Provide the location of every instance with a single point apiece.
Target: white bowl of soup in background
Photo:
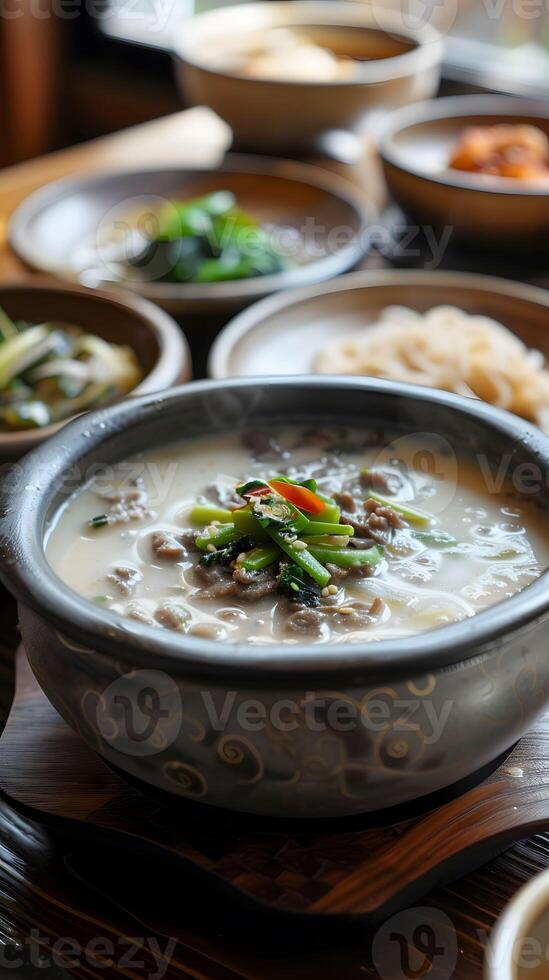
(395, 65)
(476, 684)
(519, 945)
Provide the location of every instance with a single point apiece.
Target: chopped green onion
(246, 523)
(225, 534)
(331, 513)
(321, 528)
(100, 521)
(258, 558)
(346, 557)
(332, 539)
(436, 539)
(408, 513)
(203, 514)
(302, 557)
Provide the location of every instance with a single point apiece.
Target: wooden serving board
(368, 867)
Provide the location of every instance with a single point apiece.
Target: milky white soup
(356, 540)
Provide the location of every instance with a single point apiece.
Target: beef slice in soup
(312, 536)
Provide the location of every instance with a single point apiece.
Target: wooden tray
(369, 867)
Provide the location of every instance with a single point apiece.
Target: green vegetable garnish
(246, 523)
(273, 511)
(251, 487)
(346, 557)
(203, 514)
(222, 537)
(319, 527)
(298, 585)
(408, 513)
(331, 513)
(100, 521)
(226, 555)
(436, 539)
(301, 557)
(258, 558)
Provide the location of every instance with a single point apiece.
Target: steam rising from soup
(324, 536)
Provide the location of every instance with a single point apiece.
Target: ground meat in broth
(172, 616)
(380, 481)
(137, 612)
(125, 578)
(168, 546)
(221, 582)
(346, 501)
(140, 557)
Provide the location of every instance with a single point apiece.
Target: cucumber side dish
(202, 240)
(53, 370)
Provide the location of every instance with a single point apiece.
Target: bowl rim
(172, 346)
(247, 320)
(306, 174)
(454, 107)
(24, 568)
(426, 40)
(519, 915)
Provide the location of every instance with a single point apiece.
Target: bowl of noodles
(476, 336)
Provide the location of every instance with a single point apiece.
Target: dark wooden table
(90, 914)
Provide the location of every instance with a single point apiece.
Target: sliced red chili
(299, 496)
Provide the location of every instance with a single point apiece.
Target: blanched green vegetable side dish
(207, 239)
(52, 371)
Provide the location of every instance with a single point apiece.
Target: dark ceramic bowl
(156, 339)
(174, 711)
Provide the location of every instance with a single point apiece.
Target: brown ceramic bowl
(159, 344)
(397, 66)
(64, 227)
(283, 334)
(482, 210)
